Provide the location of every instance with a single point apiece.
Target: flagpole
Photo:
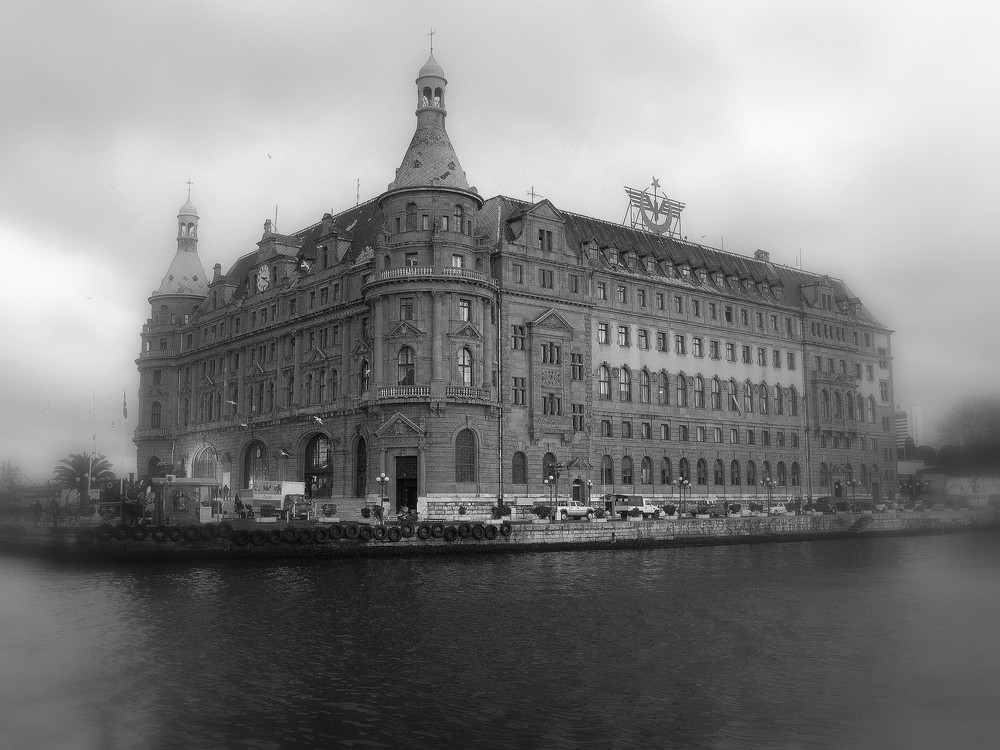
(93, 442)
(121, 477)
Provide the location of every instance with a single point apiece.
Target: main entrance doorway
(406, 482)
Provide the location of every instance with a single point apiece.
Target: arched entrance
(578, 489)
(361, 468)
(255, 464)
(319, 467)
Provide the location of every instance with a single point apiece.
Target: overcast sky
(863, 135)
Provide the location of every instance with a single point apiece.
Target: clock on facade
(263, 279)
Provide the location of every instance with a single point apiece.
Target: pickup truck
(622, 505)
(573, 509)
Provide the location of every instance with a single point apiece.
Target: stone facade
(462, 348)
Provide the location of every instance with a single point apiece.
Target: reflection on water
(851, 644)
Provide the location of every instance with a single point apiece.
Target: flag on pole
(124, 406)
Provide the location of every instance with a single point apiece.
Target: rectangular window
(576, 366)
(622, 294)
(551, 354)
(640, 296)
(643, 338)
(747, 355)
(679, 344)
(870, 372)
(336, 334)
(729, 313)
(734, 436)
(661, 341)
(659, 300)
(713, 311)
(545, 278)
(685, 435)
(696, 308)
(744, 316)
(551, 405)
(406, 308)
(157, 377)
(410, 259)
(465, 310)
(664, 432)
(762, 356)
(602, 334)
(545, 239)
(883, 386)
(776, 358)
(517, 273)
(713, 349)
(760, 319)
(717, 434)
(623, 336)
(457, 261)
(791, 360)
(647, 431)
(731, 352)
(578, 417)
(574, 283)
(518, 334)
(602, 291)
(519, 388)
(626, 429)
(700, 433)
(751, 438)
(765, 437)
(697, 346)
(679, 305)
(606, 428)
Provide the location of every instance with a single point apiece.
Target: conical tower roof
(185, 276)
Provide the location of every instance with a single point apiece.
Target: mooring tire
(175, 533)
(191, 533)
(305, 536)
(505, 528)
(393, 534)
(478, 532)
(85, 536)
(437, 530)
(321, 535)
(465, 530)
(407, 530)
(365, 533)
(224, 530)
(273, 536)
(289, 535)
(241, 537)
(139, 533)
(353, 531)
(105, 532)
(159, 534)
(450, 534)
(121, 532)
(379, 533)
(336, 531)
(423, 531)
(257, 537)
(209, 531)
(491, 532)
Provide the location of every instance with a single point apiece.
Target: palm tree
(71, 473)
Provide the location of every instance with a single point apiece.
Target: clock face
(263, 278)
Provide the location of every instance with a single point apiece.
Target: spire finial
(431, 35)
(189, 188)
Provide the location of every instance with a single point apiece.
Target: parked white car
(573, 509)
(623, 505)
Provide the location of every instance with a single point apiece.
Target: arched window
(734, 404)
(465, 456)
(871, 409)
(699, 392)
(838, 405)
(627, 477)
(319, 467)
(864, 475)
(782, 478)
(849, 403)
(682, 391)
(210, 403)
(748, 397)
(767, 471)
(625, 385)
(646, 471)
(206, 464)
(720, 472)
(465, 367)
(270, 396)
(290, 389)
(662, 389)
(607, 470)
(364, 377)
(361, 468)
(734, 473)
(321, 382)
(702, 471)
(644, 387)
(519, 469)
(824, 475)
(796, 474)
(848, 473)
(309, 388)
(255, 464)
(716, 394)
(666, 473)
(548, 465)
(405, 366)
(762, 396)
(685, 469)
(793, 401)
(155, 415)
(751, 473)
(779, 400)
(861, 408)
(458, 218)
(824, 403)
(186, 412)
(411, 217)
(604, 383)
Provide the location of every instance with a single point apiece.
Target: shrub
(461, 510)
(500, 510)
(542, 511)
(735, 508)
(635, 513)
(703, 510)
(365, 512)
(670, 509)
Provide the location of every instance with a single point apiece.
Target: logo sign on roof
(653, 211)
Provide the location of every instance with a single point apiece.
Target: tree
(71, 473)
(972, 436)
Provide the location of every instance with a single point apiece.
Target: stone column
(378, 331)
(489, 347)
(297, 391)
(438, 323)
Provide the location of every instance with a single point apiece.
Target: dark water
(891, 643)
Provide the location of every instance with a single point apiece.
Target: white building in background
(909, 423)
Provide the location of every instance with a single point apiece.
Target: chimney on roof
(216, 272)
(763, 255)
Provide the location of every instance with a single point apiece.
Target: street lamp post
(590, 490)
(768, 484)
(382, 481)
(684, 486)
(853, 484)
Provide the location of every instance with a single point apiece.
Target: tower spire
(431, 35)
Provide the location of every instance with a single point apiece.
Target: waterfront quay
(241, 538)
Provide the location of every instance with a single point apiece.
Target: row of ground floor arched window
(661, 471)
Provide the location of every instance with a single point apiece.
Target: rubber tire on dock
(273, 536)
(491, 532)
(121, 532)
(241, 537)
(365, 533)
(191, 533)
(138, 532)
(423, 531)
(379, 533)
(353, 531)
(159, 534)
(393, 533)
(209, 531)
(85, 536)
(407, 530)
(450, 534)
(257, 537)
(175, 533)
(289, 535)
(505, 528)
(437, 530)
(465, 530)
(105, 532)
(478, 532)
(321, 535)
(225, 530)
(305, 536)
(336, 531)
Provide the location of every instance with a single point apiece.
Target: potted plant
(670, 510)
(735, 509)
(543, 512)
(702, 512)
(635, 514)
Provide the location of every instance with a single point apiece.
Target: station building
(429, 346)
